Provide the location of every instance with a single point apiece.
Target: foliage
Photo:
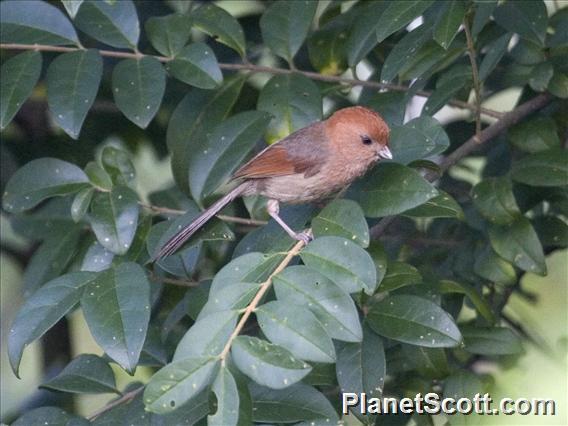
(244, 325)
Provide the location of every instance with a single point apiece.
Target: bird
(308, 165)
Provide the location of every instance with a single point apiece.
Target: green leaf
(481, 305)
(363, 37)
(361, 367)
(235, 296)
(296, 329)
(519, 244)
(399, 14)
(177, 383)
(197, 65)
(342, 261)
(208, 336)
(227, 394)
(114, 24)
(72, 6)
(72, 85)
(342, 218)
(419, 138)
(495, 51)
(267, 364)
(285, 25)
(391, 189)
(527, 18)
(19, 77)
(379, 256)
(491, 341)
(429, 362)
(35, 22)
(494, 268)
(547, 168)
(302, 286)
(220, 25)
(97, 258)
(558, 85)
(552, 231)
(40, 179)
(51, 415)
(463, 384)
(390, 105)
(443, 205)
(195, 116)
(114, 218)
(400, 274)
(119, 167)
(81, 204)
(414, 320)
(84, 374)
(226, 148)
(448, 86)
(98, 176)
(406, 48)
(483, 12)
(447, 26)
(43, 310)
(494, 199)
(117, 309)
(293, 100)
(296, 403)
(536, 135)
(168, 34)
(138, 87)
(540, 76)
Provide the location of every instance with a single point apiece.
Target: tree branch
(258, 297)
(259, 69)
(127, 397)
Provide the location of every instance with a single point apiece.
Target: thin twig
(127, 397)
(258, 297)
(173, 281)
(475, 73)
(247, 66)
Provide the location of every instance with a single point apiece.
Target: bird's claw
(303, 236)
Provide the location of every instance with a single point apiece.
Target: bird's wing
(301, 152)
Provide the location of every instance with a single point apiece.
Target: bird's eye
(366, 140)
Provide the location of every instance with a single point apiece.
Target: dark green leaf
(558, 85)
(483, 12)
(491, 341)
(404, 50)
(42, 310)
(81, 204)
(208, 336)
(302, 286)
(495, 51)
(117, 163)
(226, 147)
(227, 394)
(293, 100)
(342, 261)
(296, 329)
(72, 85)
(481, 305)
(463, 384)
(429, 362)
(72, 6)
(297, 403)
(342, 218)
(390, 105)
(400, 274)
(40, 179)
(391, 189)
(195, 116)
(540, 76)
(177, 383)
(494, 268)
(414, 320)
(536, 135)
(220, 25)
(447, 26)
(361, 366)
(97, 258)
(526, 18)
(379, 256)
(138, 86)
(98, 176)
(547, 168)
(197, 65)
(363, 37)
(117, 309)
(234, 296)
(494, 199)
(35, 22)
(114, 218)
(267, 364)
(442, 205)
(519, 244)
(285, 25)
(115, 24)
(552, 231)
(399, 14)
(19, 77)
(441, 96)
(168, 34)
(51, 416)
(84, 374)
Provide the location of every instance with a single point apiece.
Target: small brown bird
(307, 165)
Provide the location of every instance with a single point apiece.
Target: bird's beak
(385, 152)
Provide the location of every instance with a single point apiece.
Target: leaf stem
(475, 74)
(293, 252)
(127, 397)
(247, 66)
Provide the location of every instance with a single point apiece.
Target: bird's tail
(184, 234)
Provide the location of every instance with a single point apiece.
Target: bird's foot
(303, 236)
